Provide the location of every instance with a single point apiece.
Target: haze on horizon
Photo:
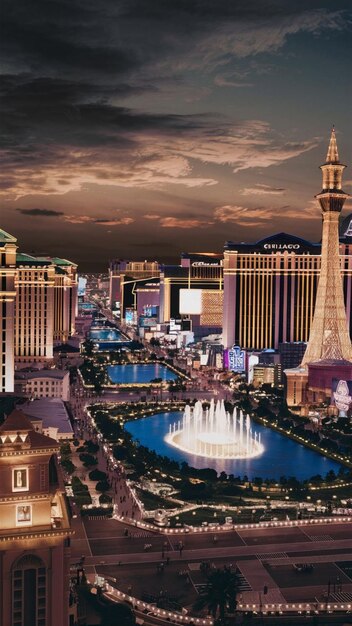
(143, 128)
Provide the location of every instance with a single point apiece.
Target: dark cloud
(40, 212)
(129, 94)
(71, 63)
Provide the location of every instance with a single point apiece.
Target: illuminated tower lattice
(329, 337)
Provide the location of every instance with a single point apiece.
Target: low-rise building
(267, 374)
(44, 383)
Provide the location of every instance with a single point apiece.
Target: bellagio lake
(281, 456)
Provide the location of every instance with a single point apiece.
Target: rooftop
(6, 237)
(57, 261)
(17, 431)
(278, 242)
(30, 375)
(28, 259)
(51, 411)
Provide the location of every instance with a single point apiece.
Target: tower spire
(332, 155)
(329, 336)
(332, 169)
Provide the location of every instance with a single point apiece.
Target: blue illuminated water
(105, 334)
(282, 456)
(140, 373)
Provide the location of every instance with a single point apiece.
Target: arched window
(53, 477)
(29, 591)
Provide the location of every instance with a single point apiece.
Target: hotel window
(29, 592)
(23, 515)
(20, 479)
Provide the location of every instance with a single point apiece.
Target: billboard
(252, 361)
(130, 316)
(82, 284)
(190, 301)
(235, 359)
(342, 394)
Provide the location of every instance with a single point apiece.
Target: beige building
(38, 303)
(34, 309)
(44, 383)
(34, 528)
(7, 301)
(65, 297)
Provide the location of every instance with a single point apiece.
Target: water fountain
(215, 433)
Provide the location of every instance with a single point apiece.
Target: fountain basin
(214, 433)
(214, 450)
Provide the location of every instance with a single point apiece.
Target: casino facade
(270, 288)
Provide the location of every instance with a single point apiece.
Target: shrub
(97, 475)
(105, 499)
(82, 498)
(65, 450)
(68, 466)
(102, 485)
(88, 459)
(78, 486)
(92, 447)
(97, 510)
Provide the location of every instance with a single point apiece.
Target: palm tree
(220, 593)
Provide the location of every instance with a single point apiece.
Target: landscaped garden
(247, 500)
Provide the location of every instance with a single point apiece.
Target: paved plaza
(150, 565)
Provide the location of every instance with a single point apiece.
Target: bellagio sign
(281, 246)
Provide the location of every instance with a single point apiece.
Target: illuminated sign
(342, 393)
(204, 264)
(129, 316)
(234, 359)
(281, 246)
(348, 232)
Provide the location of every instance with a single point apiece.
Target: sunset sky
(143, 128)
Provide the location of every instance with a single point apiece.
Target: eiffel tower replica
(329, 351)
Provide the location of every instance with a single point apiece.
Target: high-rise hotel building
(7, 302)
(124, 277)
(65, 297)
(34, 309)
(270, 288)
(38, 299)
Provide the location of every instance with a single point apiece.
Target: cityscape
(176, 314)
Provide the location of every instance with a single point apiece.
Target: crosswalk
(320, 538)
(341, 596)
(271, 555)
(243, 585)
